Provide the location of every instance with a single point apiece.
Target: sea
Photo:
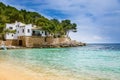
(90, 62)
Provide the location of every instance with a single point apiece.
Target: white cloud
(91, 38)
(97, 37)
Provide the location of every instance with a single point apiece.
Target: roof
(36, 28)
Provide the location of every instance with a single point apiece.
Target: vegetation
(55, 27)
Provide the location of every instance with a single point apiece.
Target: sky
(98, 21)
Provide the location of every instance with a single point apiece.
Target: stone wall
(53, 41)
(9, 42)
(35, 41)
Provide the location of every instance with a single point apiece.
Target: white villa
(25, 34)
(23, 30)
(28, 35)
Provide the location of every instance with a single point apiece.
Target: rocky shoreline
(60, 45)
(69, 44)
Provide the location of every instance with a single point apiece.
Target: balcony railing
(36, 35)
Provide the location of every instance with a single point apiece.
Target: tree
(68, 26)
(56, 27)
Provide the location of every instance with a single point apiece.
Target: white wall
(11, 35)
(25, 28)
(29, 26)
(19, 27)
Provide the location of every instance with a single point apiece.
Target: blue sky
(97, 20)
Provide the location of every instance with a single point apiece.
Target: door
(20, 42)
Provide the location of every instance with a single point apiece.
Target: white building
(23, 30)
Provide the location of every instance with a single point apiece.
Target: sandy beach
(13, 72)
(10, 72)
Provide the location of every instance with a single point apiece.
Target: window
(23, 30)
(10, 27)
(28, 30)
(33, 32)
(45, 33)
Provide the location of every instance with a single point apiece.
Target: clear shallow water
(99, 62)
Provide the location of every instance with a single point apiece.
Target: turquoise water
(98, 61)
